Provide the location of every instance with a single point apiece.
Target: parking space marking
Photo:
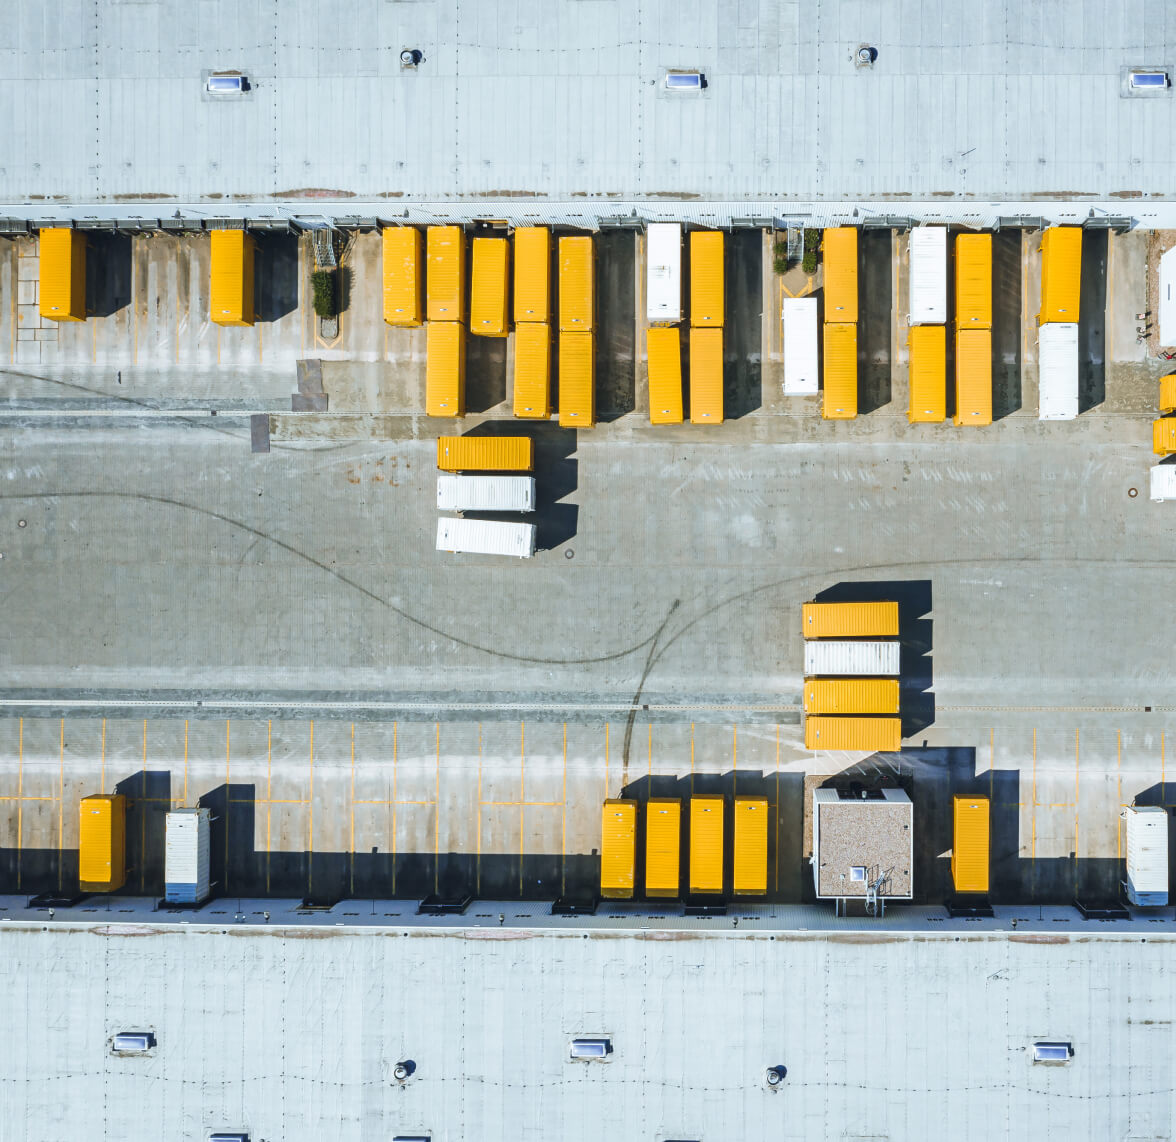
(20, 803)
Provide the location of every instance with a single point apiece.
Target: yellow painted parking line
(18, 797)
(522, 797)
(1033, 815)
(563, 841)
(60, 803)
(310, 815)
(395, 763)
(1119, 792)
(269, 789)
(478, 826)
(20, 801)
(102, 771)
(437, 815)
(143, 816)
(606, 761)
(351, 844)
(649, 757)
(227, 817)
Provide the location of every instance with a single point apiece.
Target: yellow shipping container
(532, 371)
(231, 297)
(853, 733)
(1061, 274)
(973, 379)
(663, 351)
(841, 274)
(62, 288)
(618, 849)
(663, 845)
(706, 375)
(706, 844)
(1164, 436)
(850, 620)
(707, 285)
(973, 281)
(577, 284)
(969, 850)
(928, 374)
(840, 343)
(445, 358)
(577, 380)
(1168, 394)
(751, 846)
(851, 696)
(445, 281)
(532, 284)
(485, 453)
(490, 277)
(102, 842)
(404, 276)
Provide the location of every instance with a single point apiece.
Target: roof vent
(1052, 1052)
(591, 1048)
(403, 1070)
(865, 56)
(776, 1075)
(231, 1136)
(132, 1043)
(684, 80)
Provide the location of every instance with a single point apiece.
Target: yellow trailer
(485, 454)
(618, 849)
(532, 283)
(850, 620)
(841, 274)
(969, 850)
(577, 380)
(404, 276)
(1061, 274)
(490, 277)
(102, 842)
(663, 351)
(840, 400)
(706, 375)
(707, 286)
(445, 359)
(231, 295)
(853, 733)
(1168, 394)
(1164, 436)
(663, 845)
(445, 281)
(62, 288)
(973, 377)
(532, 371)
(973, 281)
(851, 696)
(928, 374)
(577, 284)
(706, 844)
(751, 847)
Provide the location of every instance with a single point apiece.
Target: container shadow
(108, 273)
(275, 275)
(1006, 323)
(1092, 321)
(616, 326)
(743, 333)
(485, 373)
(876, 306)
(148, 795)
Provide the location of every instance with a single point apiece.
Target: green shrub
(812, 239)
(326, 301)
(780, 256)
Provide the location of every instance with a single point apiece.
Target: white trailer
(1167, 304)
(1057, 370)
(1147, 855)
(486, 537)
(928, 280)
(799, 315)
(1163, 482)
(485, 493)
(851, 657)
(186, 849)
(663, 272)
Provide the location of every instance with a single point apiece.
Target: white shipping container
(1163, 482)
(663, 272)
(928, 281)
(1057, 370)
(1168, 299)
(834, 657)
(485, 493)
(486, 537)
(186, 856)
(1147, 855)
(799, 315)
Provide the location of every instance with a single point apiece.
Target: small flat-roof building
(863, 844)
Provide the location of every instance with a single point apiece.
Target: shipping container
(973, 377)
(1057, 372)
(186, 856)
(445, 280)
(102, 842)
(485, 453)
(489, 286)
(532, 371)
(577, 380)
(851, 696)
(231, 293)
(707, 286)
(618, 849)
(750, 877)
(663, 846)
(706, 844)
(485, 493)
(1061, 274)
(1164, 436)
(706, 375)
(825, 658)
(663, 277)
(928, 374)
(872, 734)
(973, 281)
(801, 374)
(850, 620)
(62, 286)
(1163, 482)
(445, 361)
(404, 276)
(577, 285)
(1147, 855)
(663, 351)
(532, 267)
(969, 850)
(841, 399)
(1168, 394)
(486, 537)
(840, 245)
(928, 277)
